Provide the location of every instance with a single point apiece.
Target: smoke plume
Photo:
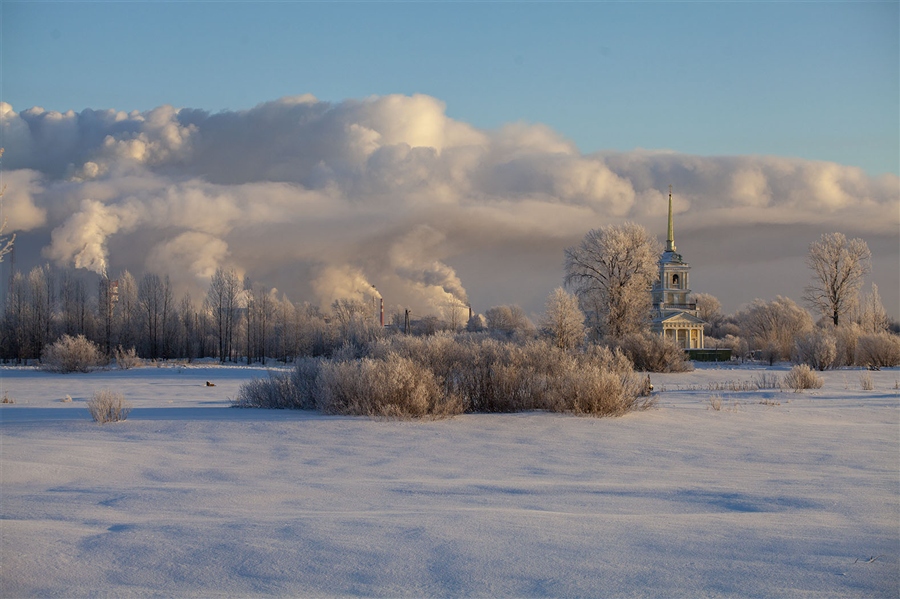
(325, 200)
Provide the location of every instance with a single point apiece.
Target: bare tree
(155, 299)
(285, 329)
(709, 307)
(40, 290)
(222, 300)
(127, 311)
(611, 272)
(15, 316)
(709, 310)
(563, 320)
(838, 266)
(509, 320)
(872, 317)
(357, 325)
(247, 299)
(774, 327)
(348, 312)
(266, 306)
(258, 320)
(189, 328)
(73, 300)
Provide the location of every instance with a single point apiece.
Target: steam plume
(324, 199)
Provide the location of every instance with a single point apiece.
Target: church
(674, 315)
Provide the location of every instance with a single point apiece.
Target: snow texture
(783, 495)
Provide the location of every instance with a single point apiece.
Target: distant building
(674, 315)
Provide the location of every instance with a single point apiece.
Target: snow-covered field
(781, 495)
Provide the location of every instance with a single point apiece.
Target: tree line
(607, 301)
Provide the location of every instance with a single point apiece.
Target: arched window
(675, 280)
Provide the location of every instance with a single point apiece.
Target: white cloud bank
(322, 199)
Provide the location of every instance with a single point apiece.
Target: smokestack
(470, 312)
(382, 312)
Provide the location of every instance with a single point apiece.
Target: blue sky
(812, 80)
(776, 122)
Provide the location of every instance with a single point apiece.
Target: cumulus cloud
(19, 208)
(328, 199)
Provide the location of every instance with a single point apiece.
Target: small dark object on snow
(208, 384)
(648, 387)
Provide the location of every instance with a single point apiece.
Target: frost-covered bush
(391, 387)
(817, 349)
(126, 359)
(447, 374)
(600, 382)
(654, 353)
(282, 390)
(878, 351)
(802, 377)
(71, 354)
(108, 406)
(846, 338)
(492, 376)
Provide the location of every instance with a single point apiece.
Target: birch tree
(838, 266)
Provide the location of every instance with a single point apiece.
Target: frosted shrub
(293, 390)
(390, 387)
(878, 351)
(654, 353)
(538, 375)
(802, 377)
(71, 354)
(817, 349)
(846, 340)
(592, 390)
(126, 359)
(261, 393)
(445, 374)
(444, 355)
(616, 388)
(108, 406)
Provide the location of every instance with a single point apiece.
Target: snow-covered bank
(794, 496)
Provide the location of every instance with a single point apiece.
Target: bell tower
(674, 314)
(671, 292)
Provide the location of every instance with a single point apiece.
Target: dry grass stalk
(865, 381)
